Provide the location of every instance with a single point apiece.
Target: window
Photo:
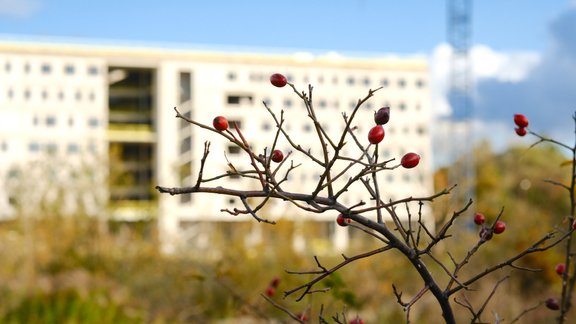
(70, 121)
(10, 93)
(384, 82)
(288, 103)
(350, 81)
(78, 95)
(185, 86)
(239, 99)
(93, 122)
(35, 120)
(266, 126)
(50, 121)
(231, 76)
(237, 122)
(320, 79)
(27, 94)
(233, 149)
(402, 106)
(7, 67)
(61, 95)
(335, 80)
(322, 103)
(366, 81)
(185, 145)
(69, 69)
(33, 147)
(72, 148)
(401, 83)
(46, 68)
(51, 148)
(307, 128)
(4, 146)
(183, 123)
(91, 96)
(44, 94)
(27, 68)
(421, 130)
(353, 104)
(93, 70)
(420, 83)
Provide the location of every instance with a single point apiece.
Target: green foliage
(69, 306)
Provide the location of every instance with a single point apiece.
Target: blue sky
(524, 53)
(364, 26)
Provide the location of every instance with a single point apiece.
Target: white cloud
(509, 66)
(485, 63)
(19, 8)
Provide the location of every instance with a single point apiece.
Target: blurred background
(84, 243)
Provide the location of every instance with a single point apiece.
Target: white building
(117, 104)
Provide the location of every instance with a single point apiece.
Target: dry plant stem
(324, 272)
(526, 311)
(202, 162)
(509, 262)
(483, 239)
(569, 278)
(569, 275)
(284, 309)
(408, 305)
(483, 307)
(321, 135)
(297, 147)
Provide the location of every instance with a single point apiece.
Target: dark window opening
(240, 99)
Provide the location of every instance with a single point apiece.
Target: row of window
(52, 121)
(365, 81)
(267, 126)
(36, 147)
(47, 69)
(248, 99)
(28, 94)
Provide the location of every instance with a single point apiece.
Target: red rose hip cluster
(522, 122)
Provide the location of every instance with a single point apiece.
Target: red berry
(479, 218)
(277, 156)
(574, 226)
(520, 131)
(270, 291)
(560, 268)
(382, 116)
(275, 282)
(357, 321)
(552, 303)
(376, 134)
(499, 227)
(220, 123)
(278, 80)
(410, 160)
(343, 221)
(520, 120)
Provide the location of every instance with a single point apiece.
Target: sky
(523, 52)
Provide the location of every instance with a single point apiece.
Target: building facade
(111, 107)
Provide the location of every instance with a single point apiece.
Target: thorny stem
(569, 281)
